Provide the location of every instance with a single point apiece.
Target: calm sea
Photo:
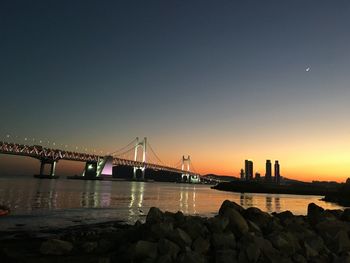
(42, 203)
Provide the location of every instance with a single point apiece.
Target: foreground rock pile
(234, 235)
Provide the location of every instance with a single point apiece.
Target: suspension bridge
(138, 154)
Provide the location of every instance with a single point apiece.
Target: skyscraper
(251, 174)
(277, 172)
(268, 171)
(246, 169)
(242, 174)
(248, 165)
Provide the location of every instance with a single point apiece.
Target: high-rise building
(268, 173)
(251, 174)
(242, 174)
(248, 165)
(277, 172)
(246, 169)
(257, 176)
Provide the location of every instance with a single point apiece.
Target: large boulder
(226, 256)
(167, 247)
(201, 245)
(230, 204)
(284, 242)
(195, 228)
(191, 257)
(56, 247)
(329, 229)
(217, 224)
(155, 215)
(223, 241)
(260, 246)
(145, 249)
(284, 216)
(181, 238)
(315, 242)
(346, 215)
(340, 242)
(237, 223)
(161, 230)
(257, 216)
(314, 213)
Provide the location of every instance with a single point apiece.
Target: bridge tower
(186, 162)
(43, 163)
(143, 145)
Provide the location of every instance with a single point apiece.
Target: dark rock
(145, 249)
(179, 217)
(284, 215)
(342, 259)
(217, 224)
(337, 213)
(315, 242)
(257, 216)
(284, 242)
(226, 256)
(252, 252)
(201, 245)
(164, 259)
(104, 245)
(167, 247)
(254, 227)
(223, 241)
(297, 258)
(56, 247)
(329, 229)
(154, 216)
(104, 260)
(195, 228)
(228, 204)
(273, 225)
(267, 251)
(314, 213)
(191, 257)
(181, 238)
(308, 251)
(89, 247)
(237, 223)
(340, 242)
(161, 230)
(346, 215)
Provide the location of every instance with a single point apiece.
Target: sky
(221, 81)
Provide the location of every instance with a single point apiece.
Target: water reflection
(187, 200)
(136, 199)
(246, 200)
(268, 203)
(45, 196)
(277, 205)
(131, 201)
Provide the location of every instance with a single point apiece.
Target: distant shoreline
(271, 188)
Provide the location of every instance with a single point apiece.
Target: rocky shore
(234, 235)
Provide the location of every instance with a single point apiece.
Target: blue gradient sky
(220, 80)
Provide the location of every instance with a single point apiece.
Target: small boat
(4, 210)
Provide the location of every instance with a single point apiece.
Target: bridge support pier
(94, 169)
(52, 174)
(143, 169)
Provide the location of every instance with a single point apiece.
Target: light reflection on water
(59, 202)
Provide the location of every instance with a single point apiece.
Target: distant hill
(225, 178)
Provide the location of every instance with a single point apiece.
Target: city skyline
(221, 82)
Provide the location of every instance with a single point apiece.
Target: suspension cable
(155, 154)
(123, 148)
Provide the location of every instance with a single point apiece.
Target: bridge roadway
(41, 153)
